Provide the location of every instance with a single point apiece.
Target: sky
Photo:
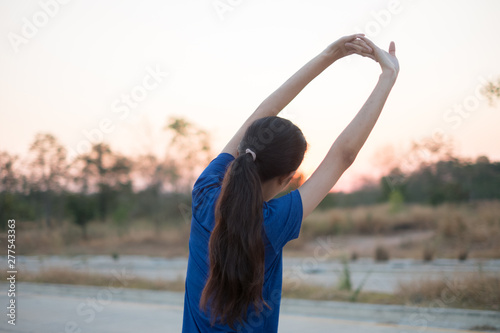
(116, 70)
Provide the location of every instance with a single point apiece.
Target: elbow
(348, 157)
(344, 154)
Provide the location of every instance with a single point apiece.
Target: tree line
(434, 181)
(430, 173)
(102, 184)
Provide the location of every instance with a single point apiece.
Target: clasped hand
(359, 44)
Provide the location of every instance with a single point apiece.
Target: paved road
(45, 308)
(317, 269)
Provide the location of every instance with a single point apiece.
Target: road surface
(45, 308)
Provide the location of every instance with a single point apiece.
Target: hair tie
(249, 151)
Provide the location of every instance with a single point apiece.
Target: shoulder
(214, 172)
(207, 187)
(283, 219)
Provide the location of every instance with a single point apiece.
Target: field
(455, 231)
(467, 230)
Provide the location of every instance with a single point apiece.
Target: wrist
(332, 53)
(389, 75)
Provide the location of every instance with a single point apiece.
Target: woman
(238, 230)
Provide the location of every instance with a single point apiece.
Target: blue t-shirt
(282, 221)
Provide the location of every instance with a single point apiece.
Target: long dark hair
(236, 246)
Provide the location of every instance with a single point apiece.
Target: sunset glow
(88, 71)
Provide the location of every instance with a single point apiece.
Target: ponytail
(271, 147)
(236, 246)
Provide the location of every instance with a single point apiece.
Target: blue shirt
(282, 221)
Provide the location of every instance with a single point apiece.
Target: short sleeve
(209, 183)
(283, 219)
(214, 172)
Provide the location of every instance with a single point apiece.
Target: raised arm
(280, 98)
(346, 147)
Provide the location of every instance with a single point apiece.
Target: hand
(387, 60)
(348, 45)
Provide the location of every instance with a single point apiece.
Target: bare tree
(48, 170)
(151, 172)
(9, 180)
(9, 184)
(154, 176)
(189, 150)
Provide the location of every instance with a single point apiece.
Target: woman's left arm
(280, 98)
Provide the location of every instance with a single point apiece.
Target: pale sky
(66, 68)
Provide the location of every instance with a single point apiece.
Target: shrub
(428, 253)
(381, 253)
(462, 255)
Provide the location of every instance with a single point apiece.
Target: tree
(189, 150)
(492, 90)
(9, 181)
(154, 174)
(48, 170)
(104, 172)
(82, 209)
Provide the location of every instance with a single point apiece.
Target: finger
(392, 49)
(363, 44)
(357, 48)
(361, 53)
(353, 37)
(369, 42)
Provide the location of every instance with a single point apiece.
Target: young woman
(238, 230)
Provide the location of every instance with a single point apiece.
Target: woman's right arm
(346, 147)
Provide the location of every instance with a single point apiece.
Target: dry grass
(369, 220)
(476, 291)
(314, 292)
(67, 276)
(290, 289)
(459, 230)
(141, 238)
(467, 230)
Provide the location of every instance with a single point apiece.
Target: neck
(269, 189)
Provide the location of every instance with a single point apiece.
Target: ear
(285, 179)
